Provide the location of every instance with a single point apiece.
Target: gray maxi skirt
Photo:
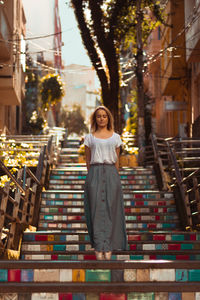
(104, 208)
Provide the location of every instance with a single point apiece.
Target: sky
(73, 51)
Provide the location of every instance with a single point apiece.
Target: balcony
(5, 34)
(173, 60)
(10, 86)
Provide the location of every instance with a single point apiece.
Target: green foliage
(73, 120)
(30, 103)
(51, 90)
(132, 120)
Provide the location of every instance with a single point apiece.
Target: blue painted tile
(27, 275)
(3, 275)
(175, 296)
(181, 275)
(29, 237)
(78, 297)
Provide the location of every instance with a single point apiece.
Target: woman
(104, 207)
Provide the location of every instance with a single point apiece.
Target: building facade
(80, 89)
(12, 65)
(192, 25)
(44, 41)
(169, 80)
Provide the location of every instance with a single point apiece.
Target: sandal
(108, 255)
(99, 255)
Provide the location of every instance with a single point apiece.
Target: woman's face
(101, 118)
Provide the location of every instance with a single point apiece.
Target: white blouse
(103, 150)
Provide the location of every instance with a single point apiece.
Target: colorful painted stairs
(57, 261)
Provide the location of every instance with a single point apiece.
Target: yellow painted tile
(78, 275)
(50, 238)
(49, 247)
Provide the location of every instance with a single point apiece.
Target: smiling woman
(103, 201)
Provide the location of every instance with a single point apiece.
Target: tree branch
(89, 43)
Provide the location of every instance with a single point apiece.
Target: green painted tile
(53, 209)
(48, 217)
(98, 275)
(181, 275)
(64, 257)
(59, 247)
(136, 257)
(141, 296)
(194, 275)
(186, 246)
(3, 275)
(178, 237)
(170, 257)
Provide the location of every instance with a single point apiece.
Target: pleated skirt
(104, 208)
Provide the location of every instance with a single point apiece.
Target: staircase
(57, 261)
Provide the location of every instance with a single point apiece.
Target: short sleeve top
(103, 150)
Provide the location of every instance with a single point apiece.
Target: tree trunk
(140, 85)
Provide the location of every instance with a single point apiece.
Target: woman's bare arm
(117, 162)
(87, 156)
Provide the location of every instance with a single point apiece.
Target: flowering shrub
(126, 147)
(16, 159)
(81, 149)
(51, 90)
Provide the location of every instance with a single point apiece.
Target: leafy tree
(73, 120)
(51, 90)
(30, 104)
(105, 26)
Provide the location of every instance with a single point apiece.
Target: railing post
(179, 192)
(158, 165)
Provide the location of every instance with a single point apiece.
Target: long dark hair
(93, 121)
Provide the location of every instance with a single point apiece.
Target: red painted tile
(133, 247)
(105, 296)
(164, 209)
(139, 218)
(151, 226)
(127, 210)
(155, 210)
(159, 237)
(134, 237)
(182, 257)
(174, 247)
(14, 275)
(41, 237)
(193, 237)
(161, 203)
(139, 203)
(54, 257)
(89, 257)
(138, 195)
(60, 210)
(67, 296)
(157, 218)
(152, 256)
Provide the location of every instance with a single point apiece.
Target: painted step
(77, 194)
(137, 203)
(128, 209)
(132, 236)
(81, 187)
(114, 276)
(154, 246)
(130, 225)
(115, 257)
(82, 182)
(128, 217)
(132, 173)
